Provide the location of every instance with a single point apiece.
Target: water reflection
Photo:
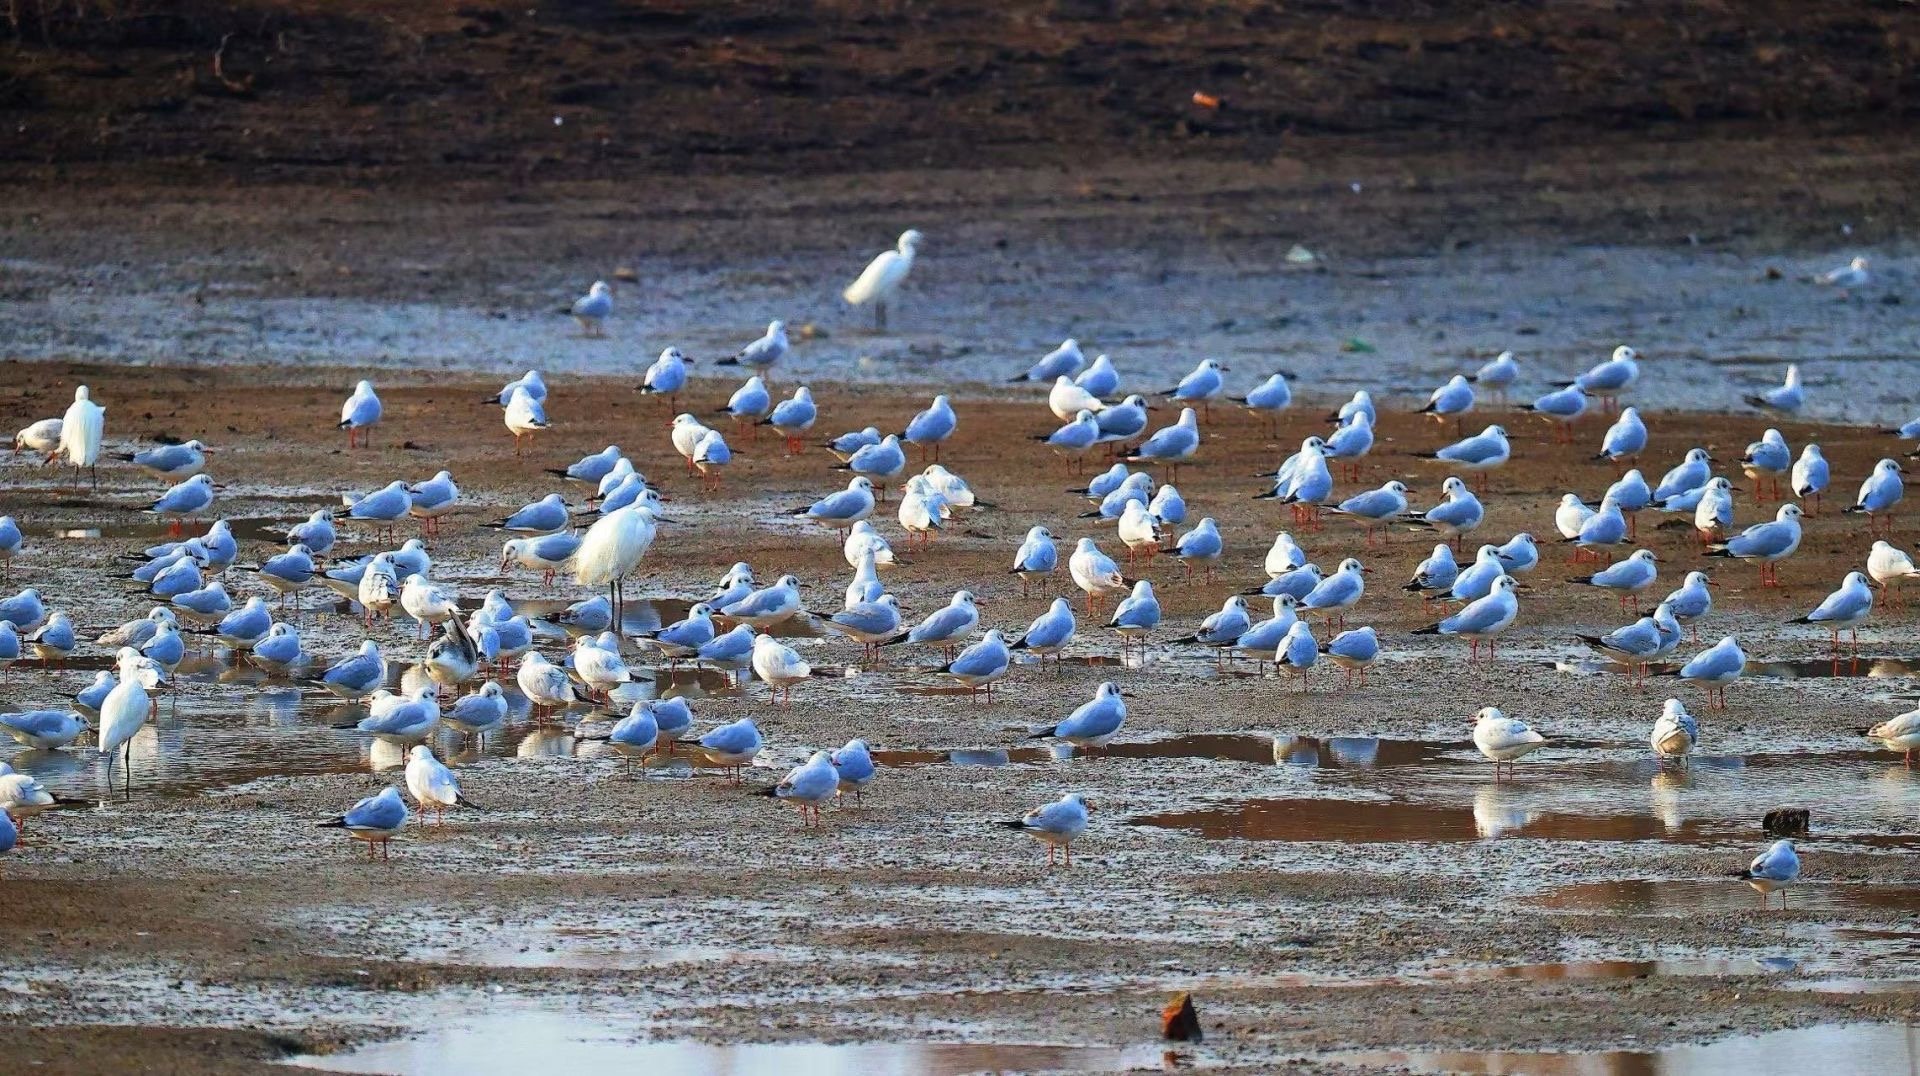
(1832, 1050)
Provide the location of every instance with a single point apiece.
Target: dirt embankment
(279, 88)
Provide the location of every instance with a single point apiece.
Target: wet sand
(1334, 873)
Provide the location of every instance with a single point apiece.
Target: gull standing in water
(81, 431)
(1675, 732)
(1786, 398)
(124, 710)
(1900, 734)
(732, 746)
(883, 276)
(1772, 871)
(763, 354)
(1094, 723)
(592, 309)
(1846, 607)
(1504, 740)
(1050, 632)
(1057, 824)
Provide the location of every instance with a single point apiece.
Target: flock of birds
(732, 629)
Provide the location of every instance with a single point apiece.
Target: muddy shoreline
(587, 905)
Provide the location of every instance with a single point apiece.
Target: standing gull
(359, 413)
(1057, 824)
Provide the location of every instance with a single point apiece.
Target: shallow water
(512, 1040)
(1831, 1050)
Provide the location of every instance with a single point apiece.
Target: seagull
(1634, 645)
(1498, 373)
(979, 665)
(1297, 653)
(792, 417)
(1453, 399)
(359, 413)
(1067, 399)
(843, 509)
(1036, 559)
(47, 730)
(592, 309)
(883, 276)
(1773, 871)
(1631, 495)
(1283, 556)
(1607, 380)
(87, 701)
(1094, 723)
(1063, 361)
(374, 820)
(55, 639)
(245, 626)
(1769, 543)
(356, 675)
(1625, 439)
(1767, 459)
(1887, 565)
(1484, 618)
(1297, 583)
(844, 446)
(636, 735)
(1562, 406)
(428, 603)
(1099, 378)
(183, 502)
(279, 650)
(1203, 384)
(1786, 399)
(732, 746)
(1900, 734)
(1222, 630)
(880, 461)
(1846, 607)
(548, 515)
(317, 533)
(1138, 532)
(864, 541)
(666, 377)
(729, 651)
(945, 628)
(531, 381)
(684, 638)
(1268, 399)
(1124, 421)
(1350, 444)
(169, 461)
(779, 666)
(1714, 512)
(1482, 452)
(931, 426)
(1627, 577)
(1262, 640)
(1810, 476)
(1050, 631)
(749, 403)
(854, 764)
(1852, 275)
(868, 622)
(809, 785)
(1135, 617)
(1170, 446)
(1436, 573)
(767, 606)
(545, 684)
(80, 432)
(1340, 591)
(1518, 554)
(431, 500)
(1502, 739)
(1692, 600)
(1460, 513)
(1882, 490)
(42, 437)
(1354, 651)
(761, 355)
(25, 610)
(1094, 572)
(431, 784)
(1715, 668)
(1201, 545)
(1602, 530)
(1056, 824)
(206, 605)
(1675, 732)
(1361, 404)
(402, 719)
(685, 434)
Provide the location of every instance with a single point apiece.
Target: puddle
(643, 616)
(1861, 667)
(512, 1041)
(152, 531)
(1861, 986)
(1216, 747)
(1691, 897)
(1393, 821)
(1831, 1050)
(1607, 969)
